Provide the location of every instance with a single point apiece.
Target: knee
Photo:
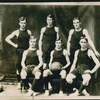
(37, 75)
(23, 74)
(46, 73)
(63, 74)
(69, 79)
(86, 80)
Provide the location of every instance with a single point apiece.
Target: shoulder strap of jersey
(72, 31)
(45, 29)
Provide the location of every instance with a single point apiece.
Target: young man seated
(59, 61)
(82, 66)
(31, 63)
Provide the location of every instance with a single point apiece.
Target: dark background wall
(36, 15)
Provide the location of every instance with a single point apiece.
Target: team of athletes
(53, 58)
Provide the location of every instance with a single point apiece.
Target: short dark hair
(59, 40)
(83, 37)
(32, 38)
(23, 18)
(50, 16)
(76, 18)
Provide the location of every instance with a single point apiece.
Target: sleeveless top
(23, 40)
(83, 58)
(75, 40)
(49, 36)
(59, 57)
(32, 58)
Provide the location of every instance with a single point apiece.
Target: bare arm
(57, 30)
(9, 37)
(67, 58)
(91, 54)
(39, 53)
(23, 59)
(51, 58)
(40, 40)
(75, 61)
(69, 40)
(85, 32)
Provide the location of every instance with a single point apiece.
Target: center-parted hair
(83, 37)
(32, 38)
(77, 18)
(23, 18)
(50, 16)
(59, 40)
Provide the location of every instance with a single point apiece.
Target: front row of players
(59, 61)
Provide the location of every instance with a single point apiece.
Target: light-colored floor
(12, 93)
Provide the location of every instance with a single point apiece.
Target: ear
(79, 42)
(19, 23)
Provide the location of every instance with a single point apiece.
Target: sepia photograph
(49, 50)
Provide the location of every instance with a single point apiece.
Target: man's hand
(24, 68)
(97, 53)
(36, 68)
(49, 66)
(63, 68)
(16, 45)
(88, 72)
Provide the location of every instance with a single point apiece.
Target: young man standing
(59, 61)
(31, 63)
(23, 35)
(82, 62)
(74, 37)
(48, 36)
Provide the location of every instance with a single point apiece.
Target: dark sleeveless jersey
(59, 57)
(75, 40)
(32, 58)
(23, 40)
(49, 36)
(83, 58)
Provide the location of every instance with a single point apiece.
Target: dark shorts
(47, 48)
(80, 69)
(30, 70)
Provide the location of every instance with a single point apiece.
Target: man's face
(58, 44)
(83, 43)
(32, 43)
(49, 21)
(76, 23)
(22, 24)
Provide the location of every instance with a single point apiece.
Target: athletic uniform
(75, 43)
(83, 63)
(31, 61)
(23, 44)
(49, 37)
(58, 57)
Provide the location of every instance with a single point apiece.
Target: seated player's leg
(62, 81)
(70, 77)
(37, 75)
(86, 79)
(46, 75)
(24, 77)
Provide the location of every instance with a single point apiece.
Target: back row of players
(51, 54)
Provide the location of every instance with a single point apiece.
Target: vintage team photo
(50, 50)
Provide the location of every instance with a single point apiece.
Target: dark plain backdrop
(36, 16)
